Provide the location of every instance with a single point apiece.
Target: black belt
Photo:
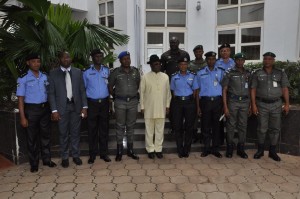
(183, 98)
(70, 101)
(98, 100)
(238, 97)
(127, 99)
(267, 101)
(211, 98)
(42, 105)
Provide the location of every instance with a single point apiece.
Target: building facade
(251, 26)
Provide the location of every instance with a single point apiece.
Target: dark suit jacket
(58, 93)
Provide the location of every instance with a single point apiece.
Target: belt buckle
(183, 98)
(99, 100)
(212, 99)
(240, 98)
(43, 105)
(128, 99)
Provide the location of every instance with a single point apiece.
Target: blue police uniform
(210, 94)
(37, 112)
(96, 84)
(183, 87)
(230, 64)
(32, 88)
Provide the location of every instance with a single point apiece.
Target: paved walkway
(171, 177)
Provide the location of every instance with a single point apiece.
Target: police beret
(32, 56)
(210, 54)
(198, 47)
(95, 52)
(123, 54)
(226, 45)
(183, 59)
(269, 54)
(239, 56)
(153, 58)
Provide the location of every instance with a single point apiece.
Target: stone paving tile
(170, 177)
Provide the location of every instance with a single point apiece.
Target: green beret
(269, 54)
(239, 56)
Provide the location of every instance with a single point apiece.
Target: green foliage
(292, 70)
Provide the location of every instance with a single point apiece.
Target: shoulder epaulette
(84, 69)
(193, 73)
(174, 73)
(113, 69)
(256, 70)
(43, 72)
(23, 74)
(221, 68)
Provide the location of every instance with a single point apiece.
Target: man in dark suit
(68, 103)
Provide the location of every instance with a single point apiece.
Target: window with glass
(240, 23)
(164, 19)
(106, 13)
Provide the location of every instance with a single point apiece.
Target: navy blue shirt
(210, 81)
(96, 82)
(184, 85)
(230, 64)
(32, 88)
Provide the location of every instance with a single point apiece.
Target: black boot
(119, 152)
(273, 154)
(260, 151)
(229, 150)
(241, 151)
(130, 152)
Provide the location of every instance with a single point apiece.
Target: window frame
(239, 26)
(106, 16)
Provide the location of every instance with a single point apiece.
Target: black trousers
(184, 113)
(211, 113)
(38, 132)
(98, 125)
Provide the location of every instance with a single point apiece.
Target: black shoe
(151, 155)
(240, 151)
(65, 163)
(130, 152)
(273, 154)
(260, 151)
(34, 169)
(49, 164)
(186, 155)
(180, 155)
(229, 150)
(105, 158)
(77, 161)
(91, 160)
(159, 155)
(205, 153)
(217, 154)
(119, 152)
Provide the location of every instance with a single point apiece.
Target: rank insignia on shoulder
(174, 73)
(84, 69)
(23, 74)
(221, 68)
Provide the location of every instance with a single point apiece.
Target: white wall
(281, 27)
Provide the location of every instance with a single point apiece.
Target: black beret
(153, 58)
(95, 52)
(183, 59)
(226, 45)
(210, 54)
(198, 47)
(269, 54)
(32, 56)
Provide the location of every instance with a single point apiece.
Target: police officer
(96, 84)
(194, 66)
(124, 84)
(35, 112)
(169, 60)
(236, 101)
(268, 85)
(225, 61)
(183, 87)
(209, 106)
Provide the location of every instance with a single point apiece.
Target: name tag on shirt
(275, 84)
(215, 83)
(106, 81)
(246, 85)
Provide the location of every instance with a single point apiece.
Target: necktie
(68, 85)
